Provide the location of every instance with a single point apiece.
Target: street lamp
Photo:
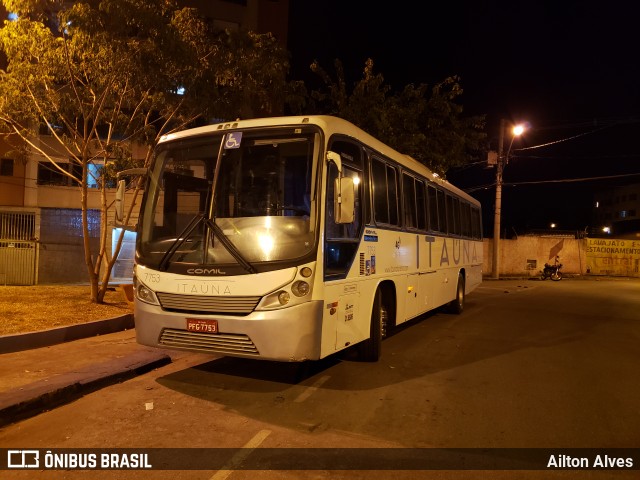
(516, 131)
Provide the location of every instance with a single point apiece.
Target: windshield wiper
(228, 244)
(217, 231)
(182, 237)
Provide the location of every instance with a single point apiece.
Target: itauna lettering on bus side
(462, 251)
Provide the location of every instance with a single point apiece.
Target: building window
(6, 167)
(48, 174)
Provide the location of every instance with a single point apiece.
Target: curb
(53, 336)
(46, 394)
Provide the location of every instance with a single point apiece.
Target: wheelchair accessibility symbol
(233, 140)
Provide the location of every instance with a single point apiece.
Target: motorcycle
(552, 271)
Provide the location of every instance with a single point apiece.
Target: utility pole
(502, 160)
(495, 264)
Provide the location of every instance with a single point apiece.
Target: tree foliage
(100, 75)
(424, 122)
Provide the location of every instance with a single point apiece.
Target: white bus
(293, 238)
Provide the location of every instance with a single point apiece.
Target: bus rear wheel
(457, 304)
(371, 349)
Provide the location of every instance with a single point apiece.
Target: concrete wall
(526, 256)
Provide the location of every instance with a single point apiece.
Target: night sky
(570, 69)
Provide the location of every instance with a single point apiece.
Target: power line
(573, 180)
(562, 140)
(561, 180)
(577, 157)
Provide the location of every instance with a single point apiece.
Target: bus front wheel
(371, 349)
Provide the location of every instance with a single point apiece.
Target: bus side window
(476, 227)
(385, 192)
(409, 203)
(453, 215)
(379, 184)
(421, 205)
(465, 218)
(414, 203)
(434, 222)
(442, 211)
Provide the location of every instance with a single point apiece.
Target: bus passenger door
(341, 244)
(427, 281)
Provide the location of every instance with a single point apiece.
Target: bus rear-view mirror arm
(120, 190)
(344, 193)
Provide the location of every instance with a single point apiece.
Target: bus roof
(330, 125)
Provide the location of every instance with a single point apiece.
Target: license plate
(202, 326)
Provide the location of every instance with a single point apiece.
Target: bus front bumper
(290, 335)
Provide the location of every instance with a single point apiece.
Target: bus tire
(371, 349)
(457, 304)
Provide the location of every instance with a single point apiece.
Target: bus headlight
(300, 288)
(287, 296)
(144, 293)
(283, 297)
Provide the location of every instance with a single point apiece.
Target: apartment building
(616, 211)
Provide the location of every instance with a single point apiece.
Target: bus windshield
(263, 208)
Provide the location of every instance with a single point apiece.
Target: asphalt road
(529, 364)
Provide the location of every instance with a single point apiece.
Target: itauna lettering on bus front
(453, 251)
(204, 288)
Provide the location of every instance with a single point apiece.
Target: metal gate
(18, 248)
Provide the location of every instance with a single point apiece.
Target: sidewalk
(41, 370)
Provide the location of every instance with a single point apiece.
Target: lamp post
(502, 160)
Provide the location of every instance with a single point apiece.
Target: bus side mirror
(344, 192)
(119, 203)
(344, 200)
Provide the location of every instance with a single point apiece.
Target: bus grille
(225, 343)
(202, 304)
